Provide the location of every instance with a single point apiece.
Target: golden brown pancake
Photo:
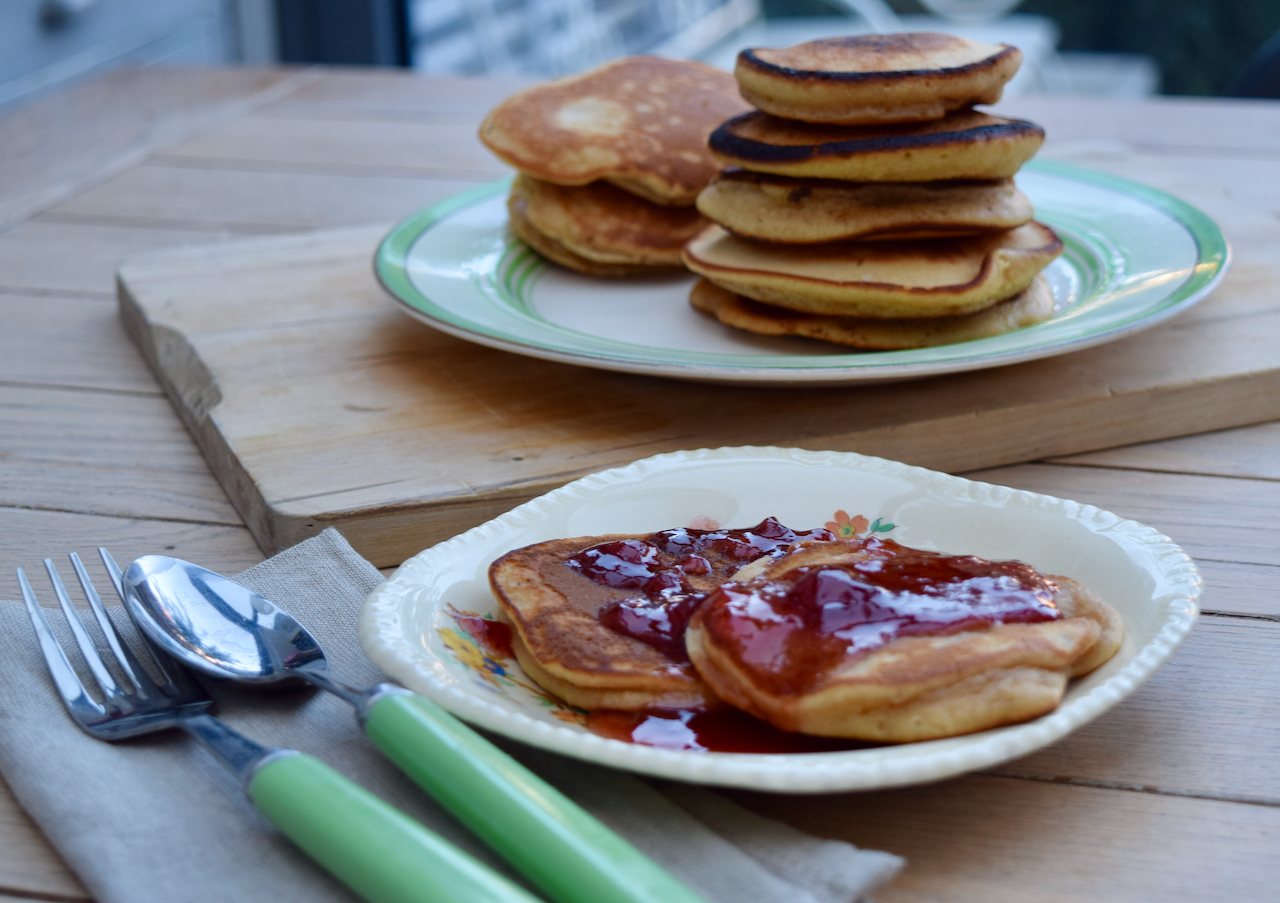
(603, 223)
(518, 220)
(1034, 305)
(807, 211)
(962, 145)
(829, 641)
(639, 122)
(555, 612)
(875, 78)
(932, 278)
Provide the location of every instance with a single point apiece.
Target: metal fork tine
(64, 676)
(142, 682)
(111, 691)
(177, 677)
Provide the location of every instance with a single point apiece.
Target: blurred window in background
(1119, 48)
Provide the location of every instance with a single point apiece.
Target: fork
(380, 853)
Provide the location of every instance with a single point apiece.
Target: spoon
(223, 629)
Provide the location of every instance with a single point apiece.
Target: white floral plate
(415, 625)
(1133, 257)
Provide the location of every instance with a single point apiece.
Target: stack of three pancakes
(867, 203)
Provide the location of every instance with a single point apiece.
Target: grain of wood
(52, 255)
(1243, 590)
(119, 454)
(182, 197)
(1203, 725)
(27, 537)
(372, 92)
(1234, 126)
(308, 145)
(74, 342)
(1003, 840)
(1251, 451)
(1219, 518)
(54, 148)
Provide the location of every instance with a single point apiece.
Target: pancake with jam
(518, 221)
(962, 145)
(931, 278)
(875, 78)
(812, 211)
(599, 620)
(638, 122)
(1033, 305)
(602, 223)
(872, 640)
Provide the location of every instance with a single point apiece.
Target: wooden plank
(29, 536)
(48, 254)
(1251, 451)
(185, 197)
(1001, 840)
(393, 148)
(74, 342)
(304, 367)
(1204, 725)
(1242, 590)
(1180, 124)
(30, 868)
(1224, 187)
(118, 454)
(51, 149)
(365, 93)
(1217, 518)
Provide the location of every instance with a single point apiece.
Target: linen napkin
(158, 819)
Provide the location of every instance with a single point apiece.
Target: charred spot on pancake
(877, 46)
(805, 141)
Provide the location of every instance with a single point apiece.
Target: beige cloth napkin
(157, 819)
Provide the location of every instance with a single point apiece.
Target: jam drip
(722, 730)
(672, 571)
(792, 631)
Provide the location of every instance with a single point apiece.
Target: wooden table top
(1173, 795)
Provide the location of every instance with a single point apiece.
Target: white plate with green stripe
(1133, 257)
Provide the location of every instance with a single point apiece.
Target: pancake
(833, 640)
(603, 223)
(962, 145)
(806, 211)
(518, 220)
(875, 78)
(1034, 305)
(556, 610)
(639, 122)
(931, 278)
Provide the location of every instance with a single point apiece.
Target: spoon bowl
(218, 626)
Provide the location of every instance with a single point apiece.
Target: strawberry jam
(671, 571)
(792, 631)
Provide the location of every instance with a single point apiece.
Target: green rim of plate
(1093, 262)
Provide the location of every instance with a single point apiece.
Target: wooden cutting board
(318, 403)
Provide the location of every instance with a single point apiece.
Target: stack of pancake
(867, 203)
(612, 160)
